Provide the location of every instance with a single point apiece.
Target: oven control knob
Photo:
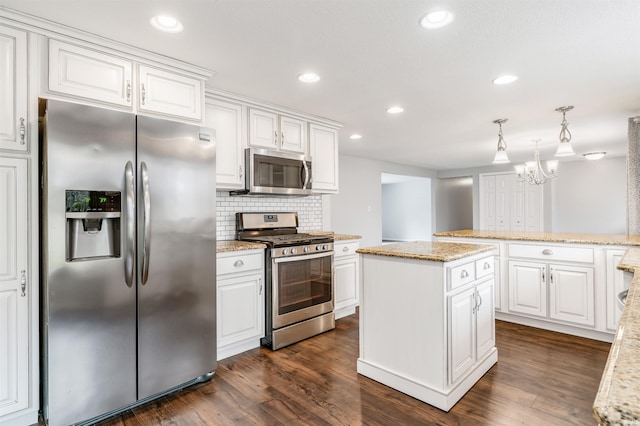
(306, 249)
(318, 248)
(294, 250)
(324, 247)
(285, 251)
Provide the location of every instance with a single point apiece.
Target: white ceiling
(371, 54)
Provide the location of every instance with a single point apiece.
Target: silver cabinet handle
(130, 224)
(128, 90)
(146, 220)
(548, 252)
(345, 249)
(275, 137)
(23, 131)
(543, 275)
(238, 263)
(260, 291)
(23, 282)
(486, 265)
(551, 276)
(464, 274)
(143, 93)
(240, 169)
(480, 302)
(475, 302)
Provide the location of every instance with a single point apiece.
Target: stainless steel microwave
(276, 173)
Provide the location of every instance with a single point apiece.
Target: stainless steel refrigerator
(128, 260)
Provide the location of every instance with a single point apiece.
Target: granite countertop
(618, 399)
(336, 237)
(549, 237)
(234, 245)
(424, 250)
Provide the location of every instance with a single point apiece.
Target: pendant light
(501, 155)
(532, 171)
(565, 149)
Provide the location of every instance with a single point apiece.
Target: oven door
(302, 287)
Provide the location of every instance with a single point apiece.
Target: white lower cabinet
(15, 292)
(346, 278)
(570, 291)
(471, 327)
(240, 301)
(617, 281)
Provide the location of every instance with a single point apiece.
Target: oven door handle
(302, 257)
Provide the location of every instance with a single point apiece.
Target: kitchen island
(427, 323)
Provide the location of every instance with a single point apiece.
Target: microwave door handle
(306, 174)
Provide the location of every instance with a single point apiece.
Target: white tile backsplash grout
(309, 211)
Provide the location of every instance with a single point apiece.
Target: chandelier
(532, 171)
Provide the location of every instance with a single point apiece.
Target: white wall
(357, 209)
(454, 204)
(591, 197)
(406, 210)
(588, 196)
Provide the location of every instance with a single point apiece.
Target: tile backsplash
(309, 211)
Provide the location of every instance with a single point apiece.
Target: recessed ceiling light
(436, 19)
(355, 136)
(594, 155)
(504, 79)
(309, 77)
(395, 110)
(166, 23)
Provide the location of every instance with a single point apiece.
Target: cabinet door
(616, 283)
(323, 143)
(571, 295)
(533, 219)
(517, 205)
(89, 74)
(13, 89)
(346, 281)
(485, 318)
(528, 288)
(169, 93)
(502, 202)
(14, 295)
(497, 286)
(488, 202)
(240, 305)
(293, 135)
(228, 121)
(263, 129)
(461, 333)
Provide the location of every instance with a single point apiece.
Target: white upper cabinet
(169, 93)
(323, 145)
(15, 288)
(87, 73)
(228, 120)
(277, 132)
(96, 75)
(13, 89)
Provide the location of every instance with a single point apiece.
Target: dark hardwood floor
(542, 378)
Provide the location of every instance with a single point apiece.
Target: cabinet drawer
(485, 267)
(461, 275)
(555, 253)
(239, 263)
(345, 249)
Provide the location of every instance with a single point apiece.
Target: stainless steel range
(298, 276)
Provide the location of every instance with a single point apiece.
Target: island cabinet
(240, 301)
(427, 322)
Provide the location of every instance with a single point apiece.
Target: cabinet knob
(23, 283)
(486, 265)
(464, 274)
(345, 249)
(240, 168)
(128, 90)
(548, 252)
(238, 263)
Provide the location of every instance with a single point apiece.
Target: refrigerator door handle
(130, 223)
(146, 220)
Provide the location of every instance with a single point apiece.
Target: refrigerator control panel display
(92, 201)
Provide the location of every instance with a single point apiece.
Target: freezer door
(88, 309)
(176, 254)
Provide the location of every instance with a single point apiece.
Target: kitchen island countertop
(618, 399)
(235, 245)
(425, 250)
